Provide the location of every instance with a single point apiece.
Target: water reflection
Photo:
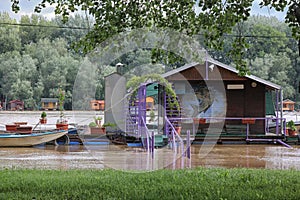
(122, 157)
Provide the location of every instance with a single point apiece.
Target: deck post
(173, 139)
(188, 143)
(152, 144)
(247, 131)
(281, 112)
(277, 109)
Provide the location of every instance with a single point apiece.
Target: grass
(197, 184)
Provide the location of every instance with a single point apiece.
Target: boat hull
(25, 140)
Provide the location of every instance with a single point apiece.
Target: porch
(237, 130)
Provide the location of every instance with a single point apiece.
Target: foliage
(31, 70)
(197, 183)
(8, 39)
(213, 19)
(98, 118)
(139, 63)
(93, 124)
(134, 83)
(152, 115)
(43, 115)
(291, 125)
(109, 124)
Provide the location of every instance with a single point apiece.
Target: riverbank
(197, 183)
(32, 117)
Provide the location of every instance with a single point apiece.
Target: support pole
(188, 143)
(277, 111)
(281, 111)
(173, 139)
(152, 144)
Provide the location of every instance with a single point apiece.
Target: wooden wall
(247, 102)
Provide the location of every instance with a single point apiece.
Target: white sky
(27, 8)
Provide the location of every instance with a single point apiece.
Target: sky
(27, 7)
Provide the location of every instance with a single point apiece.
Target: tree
(216, 18)
(276, 68)
(19, 72)
(37, 28)
(79, 27)
(9, 40)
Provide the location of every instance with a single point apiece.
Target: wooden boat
(22, 140)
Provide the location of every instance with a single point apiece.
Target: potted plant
(95, 128)
(61, 123)
(291, 127)
(43, 119)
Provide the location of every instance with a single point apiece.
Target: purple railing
(266, 119)
(174, 135)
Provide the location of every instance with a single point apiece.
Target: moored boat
(22, 140)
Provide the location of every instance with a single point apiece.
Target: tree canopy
(212, 18)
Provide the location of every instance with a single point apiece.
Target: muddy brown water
(128, 158)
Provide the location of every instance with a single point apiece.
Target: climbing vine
(134, 83)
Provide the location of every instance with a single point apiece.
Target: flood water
(128, 158)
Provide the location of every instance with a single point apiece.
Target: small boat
(31, 139)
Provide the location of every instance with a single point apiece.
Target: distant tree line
(39, 58)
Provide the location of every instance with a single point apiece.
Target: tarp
(152, 89)
(270, 108)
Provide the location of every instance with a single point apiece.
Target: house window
(235, 86)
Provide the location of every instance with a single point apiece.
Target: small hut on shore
(49, 103)
(97, 104)
(288, 105)
(16, 105)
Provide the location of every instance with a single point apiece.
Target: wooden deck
(235, 134)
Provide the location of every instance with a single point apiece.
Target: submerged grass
(197, 184)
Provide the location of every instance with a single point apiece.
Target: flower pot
(24, 129)
(287, 132)
(248, 121)
(292, 132)
(97, 130)
(199, 121)
(61, 126)
(11, 127)
(43, 121)
(178, 130)
(20, 123)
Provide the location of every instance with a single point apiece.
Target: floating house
(288, 105)
(16, 105)
(49, 103)
(214, 101)
(216, 94)
(97, 104)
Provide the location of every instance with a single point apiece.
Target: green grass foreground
(197, 184)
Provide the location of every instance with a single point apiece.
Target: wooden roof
(197, 71)
(288, 101)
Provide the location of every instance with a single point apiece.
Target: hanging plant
(134, 83)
